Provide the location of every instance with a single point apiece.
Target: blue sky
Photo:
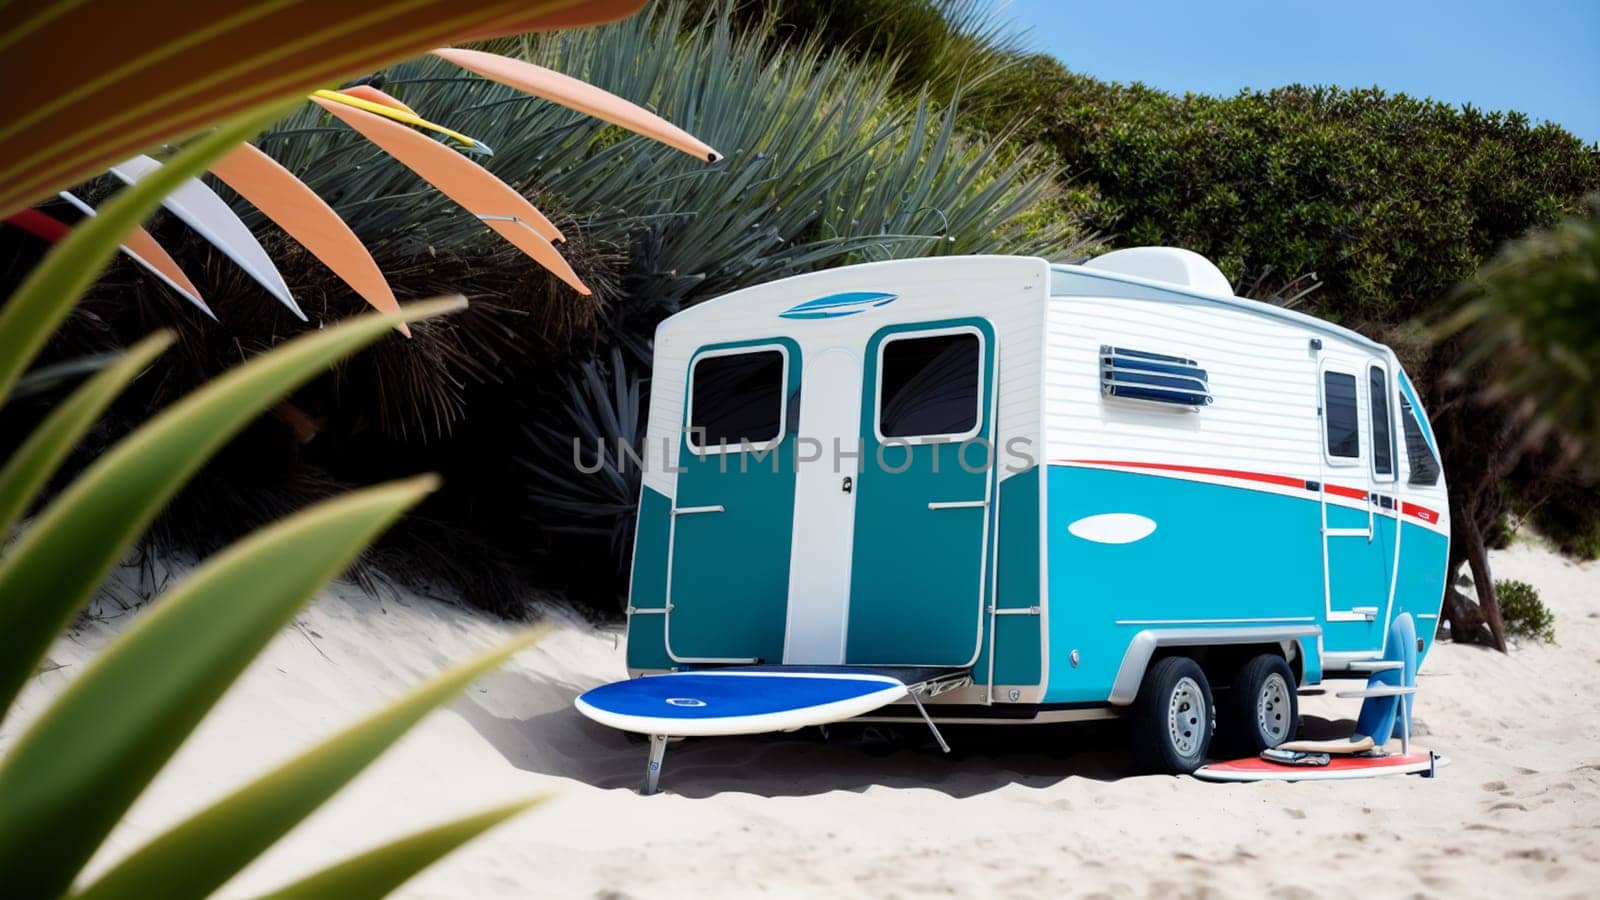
(1538, 56)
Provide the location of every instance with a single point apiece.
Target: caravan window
(1424, 467)
(1382, 427)
(736, 398)
(930, 386)
(1339, 415)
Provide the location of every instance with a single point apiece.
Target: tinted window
(1424, 467)
(1339, 414)
(1382, 431)
(738, 397)
(930, 386)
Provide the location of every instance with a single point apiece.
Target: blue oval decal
(834, 306)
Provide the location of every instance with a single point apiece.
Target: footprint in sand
(1497, 787)
(1508, 805)
(1295, 813)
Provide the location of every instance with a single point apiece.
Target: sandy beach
(1023, 813)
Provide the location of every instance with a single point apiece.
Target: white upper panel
(1010, 292)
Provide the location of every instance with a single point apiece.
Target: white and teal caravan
(993, 489)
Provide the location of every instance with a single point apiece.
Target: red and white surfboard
(1338, 768)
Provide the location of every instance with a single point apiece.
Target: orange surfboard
(142, 248)
(297, 209)
(465, 182)
(581, 96)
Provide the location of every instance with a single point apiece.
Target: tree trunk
(1478, 560)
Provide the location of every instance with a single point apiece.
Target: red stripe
(38, 224)
(1282, 480)
(1411, 509)
(1422, 512)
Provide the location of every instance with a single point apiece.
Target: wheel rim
(1272, 709)
(1186, 716)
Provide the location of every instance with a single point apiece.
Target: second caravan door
(918, 565)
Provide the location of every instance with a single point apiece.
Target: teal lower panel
(1018, 654)
(1216, 553)
(647, 647)
(1420, 582)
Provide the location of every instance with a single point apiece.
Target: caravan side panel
(1163, 516)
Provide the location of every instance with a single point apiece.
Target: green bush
(1523, 613)
(1390, 199)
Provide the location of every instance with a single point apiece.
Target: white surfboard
(201, 209)
(152, 266)
(738, 701)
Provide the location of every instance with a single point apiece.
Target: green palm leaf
(197, 857)
(377, 872)
(57, 563)
(33, 463)
(71, 776)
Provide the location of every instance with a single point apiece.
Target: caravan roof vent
(1173, 265)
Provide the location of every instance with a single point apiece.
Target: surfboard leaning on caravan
(1067, 492)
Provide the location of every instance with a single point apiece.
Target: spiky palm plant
(826, 165)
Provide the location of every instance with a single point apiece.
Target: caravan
(1026, 493)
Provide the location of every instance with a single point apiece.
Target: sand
(1023, 813)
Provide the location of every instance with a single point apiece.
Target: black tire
(1261, 709)
(1173, 717)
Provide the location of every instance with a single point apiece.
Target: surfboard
(737, 701)
(467, 183)
(1338, 768)
(579, 95)
(307, 218)
(141, 247)
(201, 209)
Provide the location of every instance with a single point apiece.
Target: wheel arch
(1219, 651)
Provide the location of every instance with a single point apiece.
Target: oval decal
(1113, 528)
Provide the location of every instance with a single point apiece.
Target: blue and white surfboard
(736, 701)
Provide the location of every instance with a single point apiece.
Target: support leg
(652, 770)
(931, 727)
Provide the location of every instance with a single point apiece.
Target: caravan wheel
(1261, 710)
(1173, 717)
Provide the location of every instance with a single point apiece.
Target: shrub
(1523, 613)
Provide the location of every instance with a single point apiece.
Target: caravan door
(1357, 531)
(922, 518)
(733, 509)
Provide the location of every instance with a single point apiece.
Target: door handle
(958, 504)
(693, 510)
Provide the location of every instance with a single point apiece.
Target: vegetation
(1524, 613)
(827, 163)
(854, 130)
(74, 770)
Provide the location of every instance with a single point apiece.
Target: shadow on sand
(555, 740)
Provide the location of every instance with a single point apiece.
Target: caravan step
(1385, 690)
(1369, 666)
